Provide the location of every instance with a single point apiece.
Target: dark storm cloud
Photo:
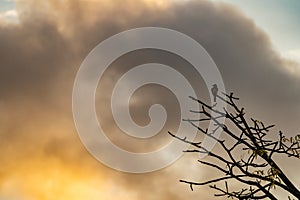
(40, 57)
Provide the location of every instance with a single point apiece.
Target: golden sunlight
(51, 180)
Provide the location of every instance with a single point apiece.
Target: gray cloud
(40, 57)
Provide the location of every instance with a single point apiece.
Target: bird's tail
(215, 98)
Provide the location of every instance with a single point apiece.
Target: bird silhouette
(214, 91)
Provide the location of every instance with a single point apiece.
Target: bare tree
(250, 157)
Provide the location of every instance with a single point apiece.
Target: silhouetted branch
(258, 173)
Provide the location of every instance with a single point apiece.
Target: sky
(43, 43)
(279, 19)
(8, 11)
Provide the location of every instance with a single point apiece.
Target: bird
(214, 91)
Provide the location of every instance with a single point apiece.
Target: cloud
(9, 16)
(293, 54)
(41, 55)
